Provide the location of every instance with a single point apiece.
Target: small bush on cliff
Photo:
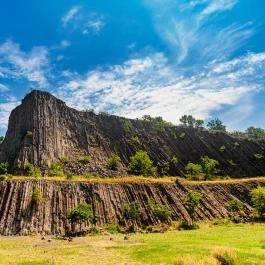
(161, 212)
(4, 168)
(193, 170)
(141, 164)
(192, 201)
(31, 170)
(81, 213)
(209, 167)
(126, 124)
(55, 170)
(235, 206)
(36, 196)
(132, 211)
(85, 159)
(258, 200)
(113, 162)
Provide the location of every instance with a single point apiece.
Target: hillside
(43, 130)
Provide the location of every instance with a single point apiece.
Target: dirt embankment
(19, 215)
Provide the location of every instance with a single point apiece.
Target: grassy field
(248, 241)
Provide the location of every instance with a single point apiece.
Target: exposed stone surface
(59, 131)
(20, 215)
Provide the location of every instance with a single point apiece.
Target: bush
(209, 167)
(165, 169)
(161, 212)
(113, 162)
(141, 164)
(85, 159)
(135, 139)
(90, 175)
(192, 202)
(69, 175)
(31, 170)
(258, 199)
(64, 160)
(36, 196)
(82, 212)
(3, 177)
(4, 168)
(235, 206)
(55, 170)
(126, 124)
(132, 211)
(193, 170)
(29, 134)
(222, 148)
(185, 225)
(225, 256)
(113, 228)
(258, 156)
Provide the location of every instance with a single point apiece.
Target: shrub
(193, 170)
(209, 167)
(174, 160)
(132, 211)
(36, 196)
(4, 168)
(258, 156)
(31, 170)
(2, 138)
(85, 159)
(135, 139)
(235, 206)
(222, 148)
(192, 202)
(165, 169)
(141, 164)
(113, 162)
(64, 160)
(113, 228)
(185, 225)
(55, 170)
(69, 175)
(225, 256)
(82, 212)
(29, 134)
(161, 212)
(3, 177)
(126, 124)
(182, 135)
(258, 199)
(90, 175)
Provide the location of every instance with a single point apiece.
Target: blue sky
(159, 57)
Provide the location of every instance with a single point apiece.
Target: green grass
(163, 248)
(246, 240)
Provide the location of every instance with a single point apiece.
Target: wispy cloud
(151, 86)
(32, 65)
(188, 29)
(85, 22)
(8, 103)
(70, 15)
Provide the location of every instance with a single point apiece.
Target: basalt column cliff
(43, 130)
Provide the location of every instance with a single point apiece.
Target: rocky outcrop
(43, 130)
(20, 215)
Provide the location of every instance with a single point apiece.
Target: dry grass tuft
(225, 256)
(191, 260)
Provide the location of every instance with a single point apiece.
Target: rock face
(20, 215)
(43, 130)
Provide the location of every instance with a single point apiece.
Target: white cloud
(65, 44)
(32, 65)
(70, 15)
(3, 88)
(152, 86)
(93, 25)
(190, 33)
(5, 108)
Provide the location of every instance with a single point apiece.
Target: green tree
(209, 167)
(141, 164)
(255, 133)
(258, 199)
(190, 121)
(193, 170)
(216, 125)
(113, 162)
(4, 168)
(192, 201)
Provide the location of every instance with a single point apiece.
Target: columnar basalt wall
(43, 130)
(20, 215)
